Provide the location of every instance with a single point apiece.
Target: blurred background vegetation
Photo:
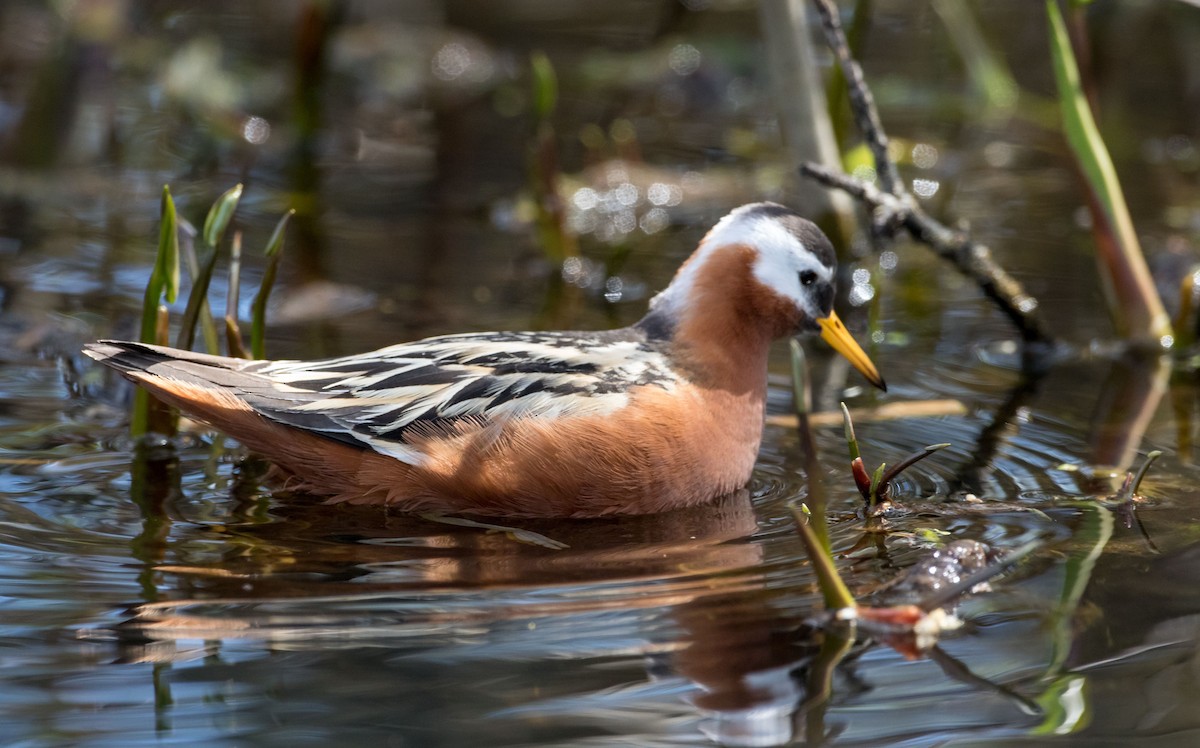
(409, 138)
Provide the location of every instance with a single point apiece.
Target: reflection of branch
(996, 433)
(895, 208)
(1094, 533)
(956, 670)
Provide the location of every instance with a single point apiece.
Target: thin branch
(894, 208)
(862, 103)
(971, 258)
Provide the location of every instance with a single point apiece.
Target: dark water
(216, 613)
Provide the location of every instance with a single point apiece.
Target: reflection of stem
(1183, 408)
(1126, 405)
(1096, 530)
(251, 503)
(835, 645)
(162, 697)
(1064, 699)
(154, 479)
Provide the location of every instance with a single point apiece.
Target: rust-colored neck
(725, 329)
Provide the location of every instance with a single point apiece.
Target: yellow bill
(835, 334)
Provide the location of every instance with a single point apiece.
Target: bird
(663, 414)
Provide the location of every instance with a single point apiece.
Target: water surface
(209, 610)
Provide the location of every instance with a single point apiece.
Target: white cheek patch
(779, 268)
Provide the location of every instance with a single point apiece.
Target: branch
(894, 208)
(971, 258)
(862, 103)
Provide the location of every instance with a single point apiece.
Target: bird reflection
(691, 582)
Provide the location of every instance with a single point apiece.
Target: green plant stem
(208, 329)
(1132, 298)
(148, 414)
(233, 333)
(258, 324)
(836, 643)
(164, 277)
(876, 485)
(197, 306)
(833, 589)
(801, 388)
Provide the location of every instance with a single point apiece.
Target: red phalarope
(663, 414)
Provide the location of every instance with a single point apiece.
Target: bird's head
(789, 266)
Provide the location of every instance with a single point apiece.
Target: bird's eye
(807, 278)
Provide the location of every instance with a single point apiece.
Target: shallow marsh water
(208, 611)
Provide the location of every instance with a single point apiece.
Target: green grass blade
(207, 327)
(233, 332)
(163, 283)
(198, 303)
(220, 214)
(1133, 300)
(987, 71)
(167, 264)
(258, 324)
(164, 277)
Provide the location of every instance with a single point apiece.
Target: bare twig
(862, 103)
(894, 208)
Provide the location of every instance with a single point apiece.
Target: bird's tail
(226, 393)
(140, 359)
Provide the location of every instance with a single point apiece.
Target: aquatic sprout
(1127, 497)
(876, 488)
(987, 71)
(911, 628)
(233, 333)
(273, 252)
(149, 414)
(218, 219)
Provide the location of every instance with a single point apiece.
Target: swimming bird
(663, 414)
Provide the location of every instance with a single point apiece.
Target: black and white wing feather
(381, 399)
